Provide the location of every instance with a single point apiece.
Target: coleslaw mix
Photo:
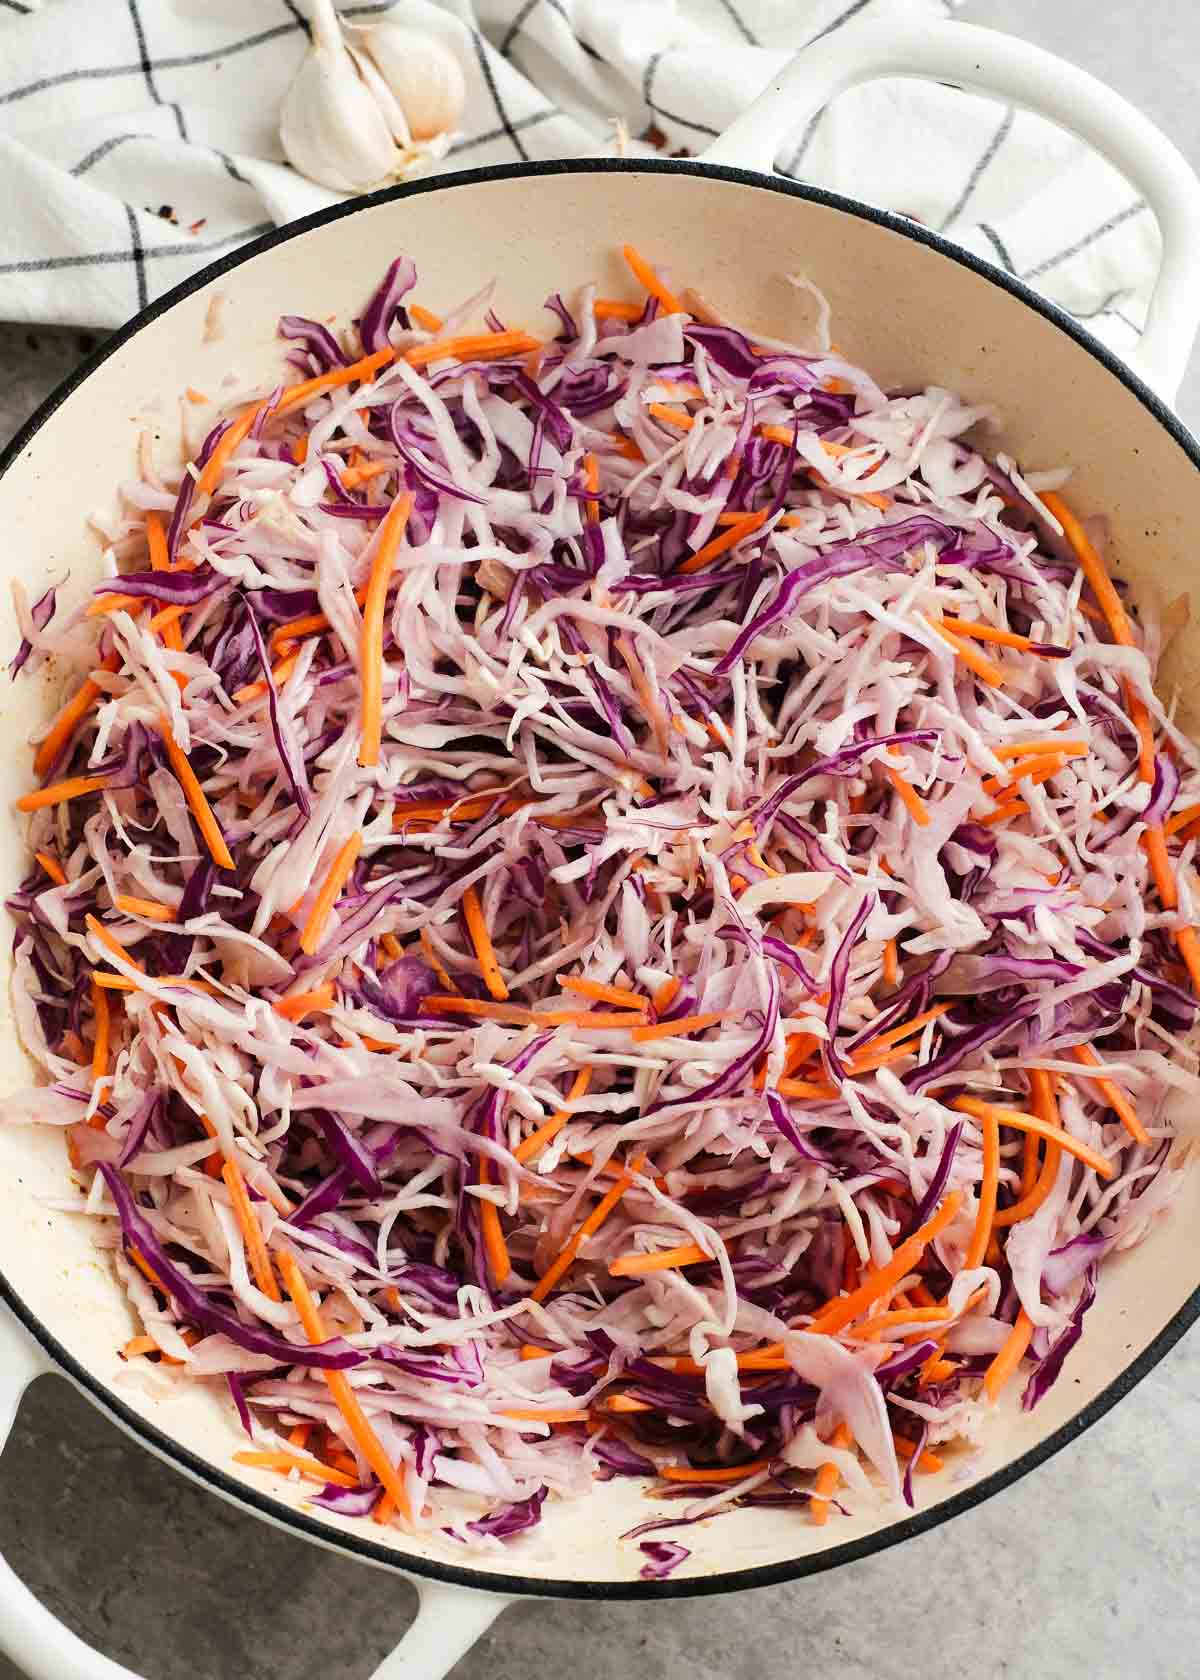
(615, 903)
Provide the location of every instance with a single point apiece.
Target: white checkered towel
(138, 138)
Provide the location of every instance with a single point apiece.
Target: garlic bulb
(421, 71)
(346, 120)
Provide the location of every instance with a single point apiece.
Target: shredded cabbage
(607, 1035)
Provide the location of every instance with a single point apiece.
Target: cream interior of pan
(910, 314)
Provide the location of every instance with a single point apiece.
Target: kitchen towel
(138, 138)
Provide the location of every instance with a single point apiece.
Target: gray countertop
(1081, 1570)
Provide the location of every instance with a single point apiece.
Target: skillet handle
(988, 62)
(449, 1619)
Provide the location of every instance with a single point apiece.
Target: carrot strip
(147, 907)
(234, 434)
(77, 787)
(1181, 819)
(312, 1468)
(676, 417)
(1023, 1122)
(731, 1473)
(425, 318)
(827, 1479)
(985, 669)
(52, 867)
(481, 939)
(65, 724)
(1092, 567)
(591, 1020)
(728, 539)
(637, 1265)
(103, 937)
(1009, 1356)
(1036, 769)
(646, 276)
(530, 1414)
(371, 658)
(843, 1309)
(352, 477)
(909, 797)
(806, 1088)
(385, 1510)
(666, 994)
(1051, 744)
(905, 1030)
(472, 347)
(368, 1442)
(113, 982)
(448, 1003)
(591, 480)
(531, 1146)
(625, 1403)
(891, 964)
(1044, 1105)
(256, 1248)
(1155, 847)
(206, 822)
(874, 1327)
(929, 1462)
(977, 1247)
(988, 633)
(1189, 949)
(331, 888)
(683, 1024)
(612, 309)
(298, 1004)
(1112, 1094)
(495, 1247)
(100, 1043)
(600, 993)
(566, 1257)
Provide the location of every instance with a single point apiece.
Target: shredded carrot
(449, 1003)
(298, 1004)
(891, 964)
(368, 1442)
(730, 1473)
(1010, 1355)
(103, 937)
(625, 1403)
(676, 417)
(905, 1030)
(827, 1479)
(256, 1248)
(595, 1020)
(339, 873)
(533, 1145)
(371, 658)
(147, 907)
(666, 994)
(1035, 769)
(352, 477)
(806, 1088)
(566, 1257)
(985, 669)
(194, 794)
(52, 867)
(385, 1510)
(591, 480)
(300, 450)
(843, 1309)
(194, 396)
(139, 1345)
(100, 1043)
(1112, 1094)
(477, 347)
(987, 633)
(1056, 744)
(1155, 847)
(76, 787)
(1181, 819)
(495, 1247)
(612, 309)
(1023, 1122)
(909, 797)
(929, 1462)
(531, 1414)
(1189, 949)
(312, 1468)
(646, 276)
(113, 982)
(481, 939)
(637, 1265)
(873, 1328)
(988, 1185)
(147, 1271)
(720, 545)
(600, 993)
(65, 724)
(298, 1437)
(683, 1024)
(425, 318)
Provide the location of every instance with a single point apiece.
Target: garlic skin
(345, 124)
(423, 74)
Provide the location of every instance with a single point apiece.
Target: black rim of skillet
(919, 1522)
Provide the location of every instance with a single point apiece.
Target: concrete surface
(1083, 1570)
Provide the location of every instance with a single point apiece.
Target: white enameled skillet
(908, 305)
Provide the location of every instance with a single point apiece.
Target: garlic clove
(385, 99)
(422, 72)
(331, 126)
